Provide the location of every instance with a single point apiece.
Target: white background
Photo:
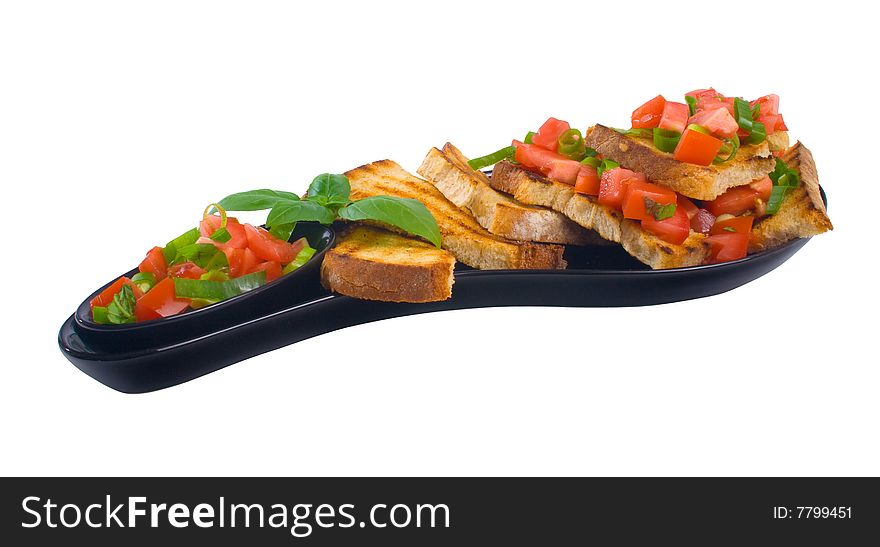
(120, 121)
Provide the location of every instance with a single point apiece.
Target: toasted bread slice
(694, 181)
(375, 264)
(502, 215)
(802, 213)
(461, 234)
(534, 189)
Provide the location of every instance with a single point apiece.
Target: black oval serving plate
(602, 276)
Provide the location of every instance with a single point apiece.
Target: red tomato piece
(241, 261)
(106, 296)
(548, 134)
(268, 247)
(272, 269)
(728, 246)
(538, 158)
(563, 170)
(733, 202)
(675, 117)
(522, 155)
(763, 187)
(648, 115)
(587, 181)
(187, 270)
(634, 199)
(700, 93)
(697, 148)
(238, 237)
(702, 222)
(769, 104)
(689, 206)
(160, 301)
(718, 121)
(612, 185)
(770, 122)
(780, 124)
(154, 263)
(715, 102)
(674, 229)
(739, 225)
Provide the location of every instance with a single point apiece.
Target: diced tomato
(739, 225)
(718, 121)
(587, 181)
(268, 247)
(702, 222)
(780, 124)
(536, 157)
(241, 261)
(769, 104)
(154, 263)
(159, 302)
(238, 237)
(635, 195)
(770, 122)
(674, 229)
(548, 134)
(763, 187)
(713, 103)
(675, 116)
(187, 270)
(733, 202)
(106, 296)
(612, 185)
(272, 269)
(689, 207)
(697, 148)
(700, 93)
(728, 246)
(563, 170)
(522, 156)
(648, 115)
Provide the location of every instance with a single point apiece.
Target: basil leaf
(410, 215)
(221, 235)
(256, 200)
(289, 212)
(121, 309)
(283, 231)
(328, 190)
(658, 211)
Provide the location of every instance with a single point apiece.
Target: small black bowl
(266, 299)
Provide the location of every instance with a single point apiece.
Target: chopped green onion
(493, 158)
(785, 179)
(528, 139)
(730, 148)
(144, 280)
(571, 145)
(217, 290)
(216, 207)
(592, 161)
(607, 165)
(301, 258)
(184, 239)
(692, 105)
(758, 134)
(99, 315)
(666, 140)
(641, 132)
(200, 254)
(214, 275)
(729, 229)
(699, 129)
(590, 152)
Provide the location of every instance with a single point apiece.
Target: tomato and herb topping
(219, 259)
(706, 122)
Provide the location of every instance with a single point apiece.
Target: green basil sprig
(121, 309)
(329, 198)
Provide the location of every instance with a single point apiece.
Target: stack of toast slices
(516, 218)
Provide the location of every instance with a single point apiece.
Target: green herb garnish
(121, 309)
(659, 211)
(493, 158)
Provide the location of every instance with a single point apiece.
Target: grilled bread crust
(462, 235)
(375, 264)
(694, 181)
(497, 212)
(802, 213)
(532, 188)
